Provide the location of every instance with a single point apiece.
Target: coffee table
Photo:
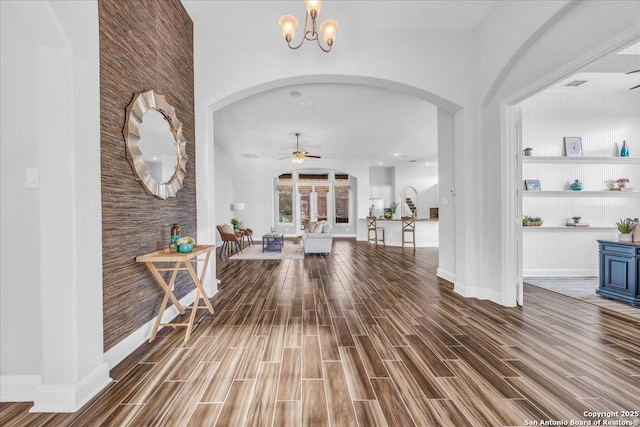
(272, 242)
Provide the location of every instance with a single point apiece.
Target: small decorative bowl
(185, 247)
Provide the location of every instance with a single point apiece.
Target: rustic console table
(180, 262)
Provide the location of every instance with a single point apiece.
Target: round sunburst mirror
(156, 148)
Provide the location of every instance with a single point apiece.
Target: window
(285, 204)
(313, 177)
(342, 204)
(322, 195)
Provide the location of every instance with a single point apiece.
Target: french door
(314, 203)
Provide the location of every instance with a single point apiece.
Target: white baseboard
(446, 275)
(410, 245)
(70, 397)
(120, 351)
(560, 272)
(18, 388)
(479, 293)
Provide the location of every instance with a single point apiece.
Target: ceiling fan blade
(634, 71)
(312, 156)
(635, 87)
(282, 158)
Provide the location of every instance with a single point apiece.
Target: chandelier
(329, 28)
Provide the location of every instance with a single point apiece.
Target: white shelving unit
(555, 249)
(570, 193)
(569, 160)
(602, 120)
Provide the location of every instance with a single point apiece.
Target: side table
(181, 262)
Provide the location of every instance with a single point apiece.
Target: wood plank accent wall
(144, 44)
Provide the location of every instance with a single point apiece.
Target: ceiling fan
(631, 72)
(299, 156)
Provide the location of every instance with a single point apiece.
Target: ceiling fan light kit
(329, 27)
(298, 156)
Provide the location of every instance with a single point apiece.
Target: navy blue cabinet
(620, 271)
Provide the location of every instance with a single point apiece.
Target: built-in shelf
(565, 227)
(584, 193)
(565, 159)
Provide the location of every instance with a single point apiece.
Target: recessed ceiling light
(380, 164)
(294, 94)
(396, 154)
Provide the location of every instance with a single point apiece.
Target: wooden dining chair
(378, 232)
(409, 226)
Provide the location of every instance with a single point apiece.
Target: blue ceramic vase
(624, 151)
(185, 247)
(576, 186)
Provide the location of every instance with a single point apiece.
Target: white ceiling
(354, 121)
(408, 14)
(334, 121)
(608, 73)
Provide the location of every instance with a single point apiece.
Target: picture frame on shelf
(532, 185)
(573, 146)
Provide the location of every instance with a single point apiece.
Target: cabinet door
(619, 275)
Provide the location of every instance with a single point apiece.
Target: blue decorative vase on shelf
(576, 185)
(624, 151)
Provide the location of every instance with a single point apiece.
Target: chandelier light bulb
(329, 29)
(288, 24)
(313, 7)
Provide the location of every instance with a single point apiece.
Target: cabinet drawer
(630, 251)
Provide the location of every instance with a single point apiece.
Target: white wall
(447, 202)
(602, 119)
(224, 183)
(65, 120)
(20, 349)
(380, 175)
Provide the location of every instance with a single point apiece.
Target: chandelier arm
(322, 48)
(304, 36)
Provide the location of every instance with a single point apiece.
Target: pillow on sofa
(317, 227)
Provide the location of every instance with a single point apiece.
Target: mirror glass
(158, 146)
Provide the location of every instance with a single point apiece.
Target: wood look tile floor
(368, 336)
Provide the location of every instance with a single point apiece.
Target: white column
(67, 117)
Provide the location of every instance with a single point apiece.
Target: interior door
(314, 203)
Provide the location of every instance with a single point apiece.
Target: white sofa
(318, 239)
